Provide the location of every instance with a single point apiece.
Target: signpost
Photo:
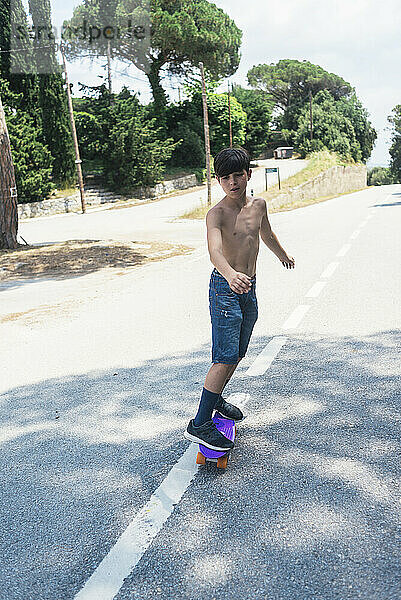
(273, 170)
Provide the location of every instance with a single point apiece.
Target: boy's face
(234, 185)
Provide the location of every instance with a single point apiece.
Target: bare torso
(240, 233)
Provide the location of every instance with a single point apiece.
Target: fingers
(290, 264)
(242, 284)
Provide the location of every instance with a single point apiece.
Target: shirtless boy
(233, 229)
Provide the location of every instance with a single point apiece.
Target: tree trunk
(159, 95)
(8, 190)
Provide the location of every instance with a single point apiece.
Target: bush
(135, 153)
(380, 176)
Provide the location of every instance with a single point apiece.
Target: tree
(40, 95)
(258, 107)
(32, 159)
(185, 124)
(56, 133)
(341, 126)
(331, 129)
(365, 134)
(131, 147)
(289, 83)
(395, 149)
(183, 33)
(8, 199)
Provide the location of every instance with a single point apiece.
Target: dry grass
(80, 257)
(302, 203)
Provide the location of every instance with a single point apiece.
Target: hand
(240, 283)
(288, 262)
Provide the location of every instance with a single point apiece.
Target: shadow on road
(398, 203)
(75, 258)
(306, 509)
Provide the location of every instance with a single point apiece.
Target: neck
(239, 202)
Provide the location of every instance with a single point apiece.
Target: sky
(356, 39)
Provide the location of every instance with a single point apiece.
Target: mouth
(235, 189)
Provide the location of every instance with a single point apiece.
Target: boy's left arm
(271, 241)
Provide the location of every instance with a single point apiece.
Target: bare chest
(241, 226)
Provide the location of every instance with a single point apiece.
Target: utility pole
(109, 65)
(8, 190)
(311, 115)
(229, 116)
(78, 161)
(207, 139)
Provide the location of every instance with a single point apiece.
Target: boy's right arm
(238, 282)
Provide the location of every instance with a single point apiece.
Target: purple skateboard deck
(227, 428)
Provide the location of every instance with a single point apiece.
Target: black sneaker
(227, 410)
(208, 435)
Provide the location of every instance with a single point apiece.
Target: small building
(284, 152)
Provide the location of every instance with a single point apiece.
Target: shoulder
(215, 214)
(261, 204)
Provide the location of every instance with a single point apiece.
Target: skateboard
(227, 428)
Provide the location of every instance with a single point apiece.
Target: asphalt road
(152, 221)
(100, 374)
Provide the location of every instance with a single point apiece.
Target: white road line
(355, 234)
(263, 361)
(343, 251)
(296, 317)
(109, 576)
(316, 289)
(329, 270)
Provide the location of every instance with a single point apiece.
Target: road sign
(273, 170)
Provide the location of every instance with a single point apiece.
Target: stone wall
(336, 180)
(96, 194)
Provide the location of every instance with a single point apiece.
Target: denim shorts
(233, 317)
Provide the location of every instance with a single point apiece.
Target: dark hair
(231, 160)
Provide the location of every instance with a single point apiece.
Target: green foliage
(32, 159)
(56, 129)
(184, 32)
(365, 134)
(395, 149)
(131, 146)
(291, 83)
(90, 133)
(42, 96)
(185, 123)
(258, 107)
(380, 176)
(136, 154)
(333, 128)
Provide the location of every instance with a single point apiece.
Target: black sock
(206, 406)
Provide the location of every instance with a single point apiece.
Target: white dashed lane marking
(296, 317)
(263, 361)
(109, 576)
(329, 270)
(316, 289)
(343, 251)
